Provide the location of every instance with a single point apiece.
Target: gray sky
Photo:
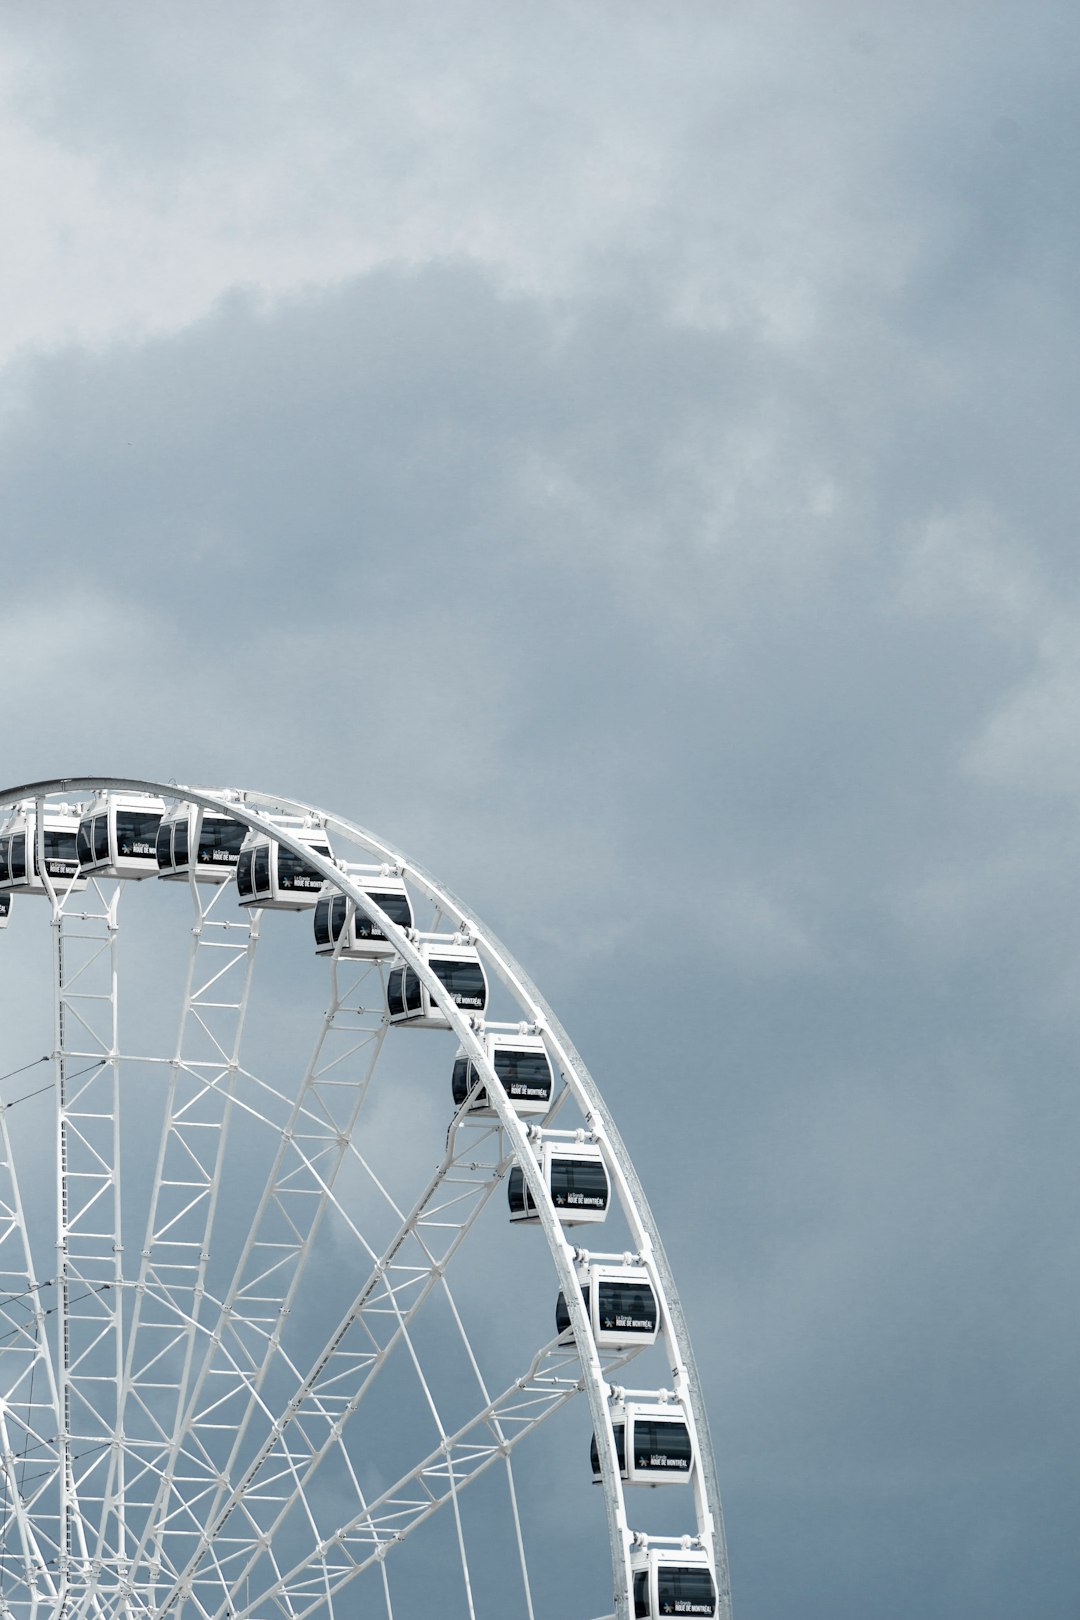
(624, 454)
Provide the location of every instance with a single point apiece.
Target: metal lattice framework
(235, 1310)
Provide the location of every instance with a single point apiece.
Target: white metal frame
(208, 1471)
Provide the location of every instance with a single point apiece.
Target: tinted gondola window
(244, 885)
(414, 991)
(180, 842)
(397, 908)
(260, 869)
(524, 1074)
(464, 980)
(61, 852)
(322, 921)
(685, 1591)
(219, 841)
(164, 846)
(517, 1192)
(620, 1451)
(296, 873)
(101, 838)
(641, 1595)
(562, 1311)
(5, 852)
(463, 1078)
(83, 844)
(631, 1306)
(578, 1184)
(662, 1446)
(330, 913)
(5, 904)
(136, 832)
(18, 855)
(394, 996)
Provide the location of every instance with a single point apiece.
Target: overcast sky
(625, 454)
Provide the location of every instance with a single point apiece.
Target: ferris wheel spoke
(89, 1310)
(312, 1423)
(170, 1291)
(31, 1460)
(550, 1382)
(225, 1395)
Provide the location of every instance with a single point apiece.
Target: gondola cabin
(671, 1581)
(576, 1178)
(5, 909)
(652, 1444)
(523, 1069)
(276, 878)
(20, 866)
(620, 1304)
(193, 842)
(118, 836)
(458, 969)
(343, 928)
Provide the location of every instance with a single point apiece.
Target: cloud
(627, 460)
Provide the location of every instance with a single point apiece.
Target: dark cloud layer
(707, 616)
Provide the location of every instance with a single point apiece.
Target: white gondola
(272, 876)
(457, 966)
(670, 1581)
(577, 1180)
(620, 1304)
(193, 842)
(652, 1443)
(19, 867)
(364, 939)
(118, 836)
(523, 1068)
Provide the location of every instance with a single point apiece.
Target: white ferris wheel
(296, 1301)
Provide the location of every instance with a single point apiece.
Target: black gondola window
(220, 839)
(61, 851)
(685, 1591)
(641, 1595)
(394, 999)
(578, 1184)
(662, 1446)
(101, 838)
(414, 991)
(518, 1194)
(296, 873)
(627, 1305)
(5, 851)
(322, 921)
(620, 1450)
(136, 832)
(260, 869)
(5, 904)
(562, 1311)
(524, 1075)
(18, 855)
(244, 885)
(164, 846)
(463, 1080)
(339, 910)
(180, 842)
(83, 843)
(464, 980)
(397, 908)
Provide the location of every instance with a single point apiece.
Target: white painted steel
(187, 1510)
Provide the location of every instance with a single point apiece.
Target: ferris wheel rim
(241, 805)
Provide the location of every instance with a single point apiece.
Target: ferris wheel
(297, 1300)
